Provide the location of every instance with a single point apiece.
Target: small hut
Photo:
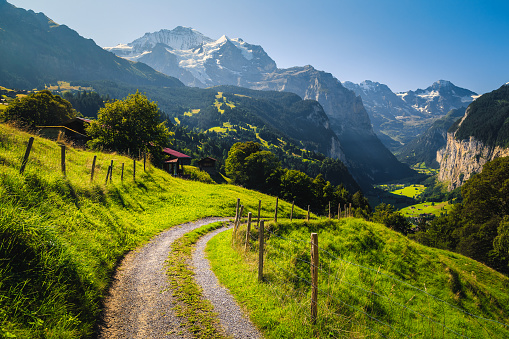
(207, 164)
(175, 161)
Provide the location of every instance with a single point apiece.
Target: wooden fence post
(240, 217)
(111, 170)
(62, 158)
(237, 212)
(339, 211)
(27, 154)
(260, 252)
(350, 210)
(107, 175)
(314, 277)
(93, 168)
(122, 175)
(275, 212)
(259, 210)
(248, 232)
(134, 169)
(291, 213)
(329, 211)
(308, 214)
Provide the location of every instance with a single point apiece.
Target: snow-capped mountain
(203, 62)
(200, 61)
(439, 98)
(398, 117)
(180, 38)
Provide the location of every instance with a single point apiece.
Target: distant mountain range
(398, 117)
(203, 62)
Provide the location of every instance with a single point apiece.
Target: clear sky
(405, 44)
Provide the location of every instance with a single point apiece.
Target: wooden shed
(175, 161)
(207, 164)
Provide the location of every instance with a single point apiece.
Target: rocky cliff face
(480, 136)
(460, 159)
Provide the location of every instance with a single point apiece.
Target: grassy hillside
(61, 237)
(372, 282)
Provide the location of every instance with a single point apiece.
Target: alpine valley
(203, 62)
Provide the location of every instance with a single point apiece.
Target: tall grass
(373, 282)
(61, 237)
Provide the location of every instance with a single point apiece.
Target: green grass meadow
(61, 237)
(373, 283)
(436, 208)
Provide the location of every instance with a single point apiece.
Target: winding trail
(139, 303)
(231, 316)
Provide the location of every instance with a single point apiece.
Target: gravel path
(231, 317)
(139, 304)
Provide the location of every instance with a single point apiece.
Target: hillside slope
(384, 284)
(61, 237)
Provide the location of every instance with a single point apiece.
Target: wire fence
(103, 167)
(356, 300)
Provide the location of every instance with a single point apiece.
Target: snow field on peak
(194, 60)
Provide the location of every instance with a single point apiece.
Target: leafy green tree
(235, 163)
(263, 172)
(130, 124)
(296, 186)
(360, 201)
(501, 242)
(39, 109)
(251, 167)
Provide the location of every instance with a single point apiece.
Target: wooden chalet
(175, 161)
(207, 164)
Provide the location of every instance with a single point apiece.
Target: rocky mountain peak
(181, 38)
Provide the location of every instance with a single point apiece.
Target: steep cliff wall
(460, 159)
(480, 136)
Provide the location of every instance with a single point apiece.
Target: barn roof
(207, 158)
(176, 154)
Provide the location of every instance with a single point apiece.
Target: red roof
(175, 153)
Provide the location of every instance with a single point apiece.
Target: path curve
(139, 303)
(230, 315)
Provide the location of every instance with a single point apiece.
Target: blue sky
(405, 44)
